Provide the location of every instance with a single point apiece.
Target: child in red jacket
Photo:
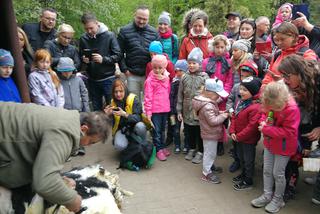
(280, 131)
(244, 130)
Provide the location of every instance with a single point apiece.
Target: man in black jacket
(99, 50)
(134, 40)
(38, 33)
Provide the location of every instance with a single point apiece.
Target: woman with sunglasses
(303, 79)
(61, 46)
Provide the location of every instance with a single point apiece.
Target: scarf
(167, 34)
(211, 66)
(242, 104)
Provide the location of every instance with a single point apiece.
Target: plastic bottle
(270, 118)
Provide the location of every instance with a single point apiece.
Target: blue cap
(156, 47)
(181, 65)
(6, 58)
(65, 64)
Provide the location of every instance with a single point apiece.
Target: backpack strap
(172, 45)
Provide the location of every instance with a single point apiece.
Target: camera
(88, 52)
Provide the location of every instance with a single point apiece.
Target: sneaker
(190, 154)
(161, 156)
(198, 158)
(177, 150)
(242, 186)
(81, 151)
(238, 179)
(216, 169)
(275, 205)
(166, 152)
(184, 150)
(315, 201)
(310, 180)
(234, 166)
(211, 178)
(262, 201)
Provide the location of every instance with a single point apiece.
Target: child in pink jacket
(280, 131)
(157, 103)
(218, 65)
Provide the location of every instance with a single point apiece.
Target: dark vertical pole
(9, 40)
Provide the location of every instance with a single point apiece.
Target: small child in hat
(244, 130)
(211, 124)
(191, 85)
(173, 132)
(8, 89)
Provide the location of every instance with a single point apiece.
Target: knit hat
(159, 60)
(181, 65)
(196, 55)
(6, 58)
(65, 64)
(156, 47)
(253, 85)
(164, 18)
(249, 66)
(242, 44)
(216, 85)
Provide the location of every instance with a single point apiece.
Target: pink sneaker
(166, 152)
(161, 156)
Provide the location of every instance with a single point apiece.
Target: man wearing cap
(35, 142)
(38, 33)
(8, 89)
(134, 40)
(233, 25)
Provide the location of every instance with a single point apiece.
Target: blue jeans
(159, 121)
(100, 89)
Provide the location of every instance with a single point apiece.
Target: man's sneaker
(190, 154)
(198, 158)
(161, 156)
(234, 166)
(275, 205)
(166, 152)
(184, 150)
(310, 180)
(315, 201)
(262, 201)
(81, 151)
(216, 169)
(177, 150)
(211, 178)
(238, 178)
(242, 186)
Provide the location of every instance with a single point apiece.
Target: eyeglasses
(67, 38)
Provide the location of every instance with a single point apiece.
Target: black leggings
(192, 137)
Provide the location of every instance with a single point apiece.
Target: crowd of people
(218, 88)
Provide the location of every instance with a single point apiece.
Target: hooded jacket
(75, 94)
(134, 43)
(191, 85)
(35, 142)
(282, 137)
(211, 122)
(303, 42)
(156, 98)
(108, 48)
(193, 41)
(9, 91)
(169, 68)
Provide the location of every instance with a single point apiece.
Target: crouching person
(36, 141)
(129, 132)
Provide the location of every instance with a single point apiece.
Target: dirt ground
(174, 186)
